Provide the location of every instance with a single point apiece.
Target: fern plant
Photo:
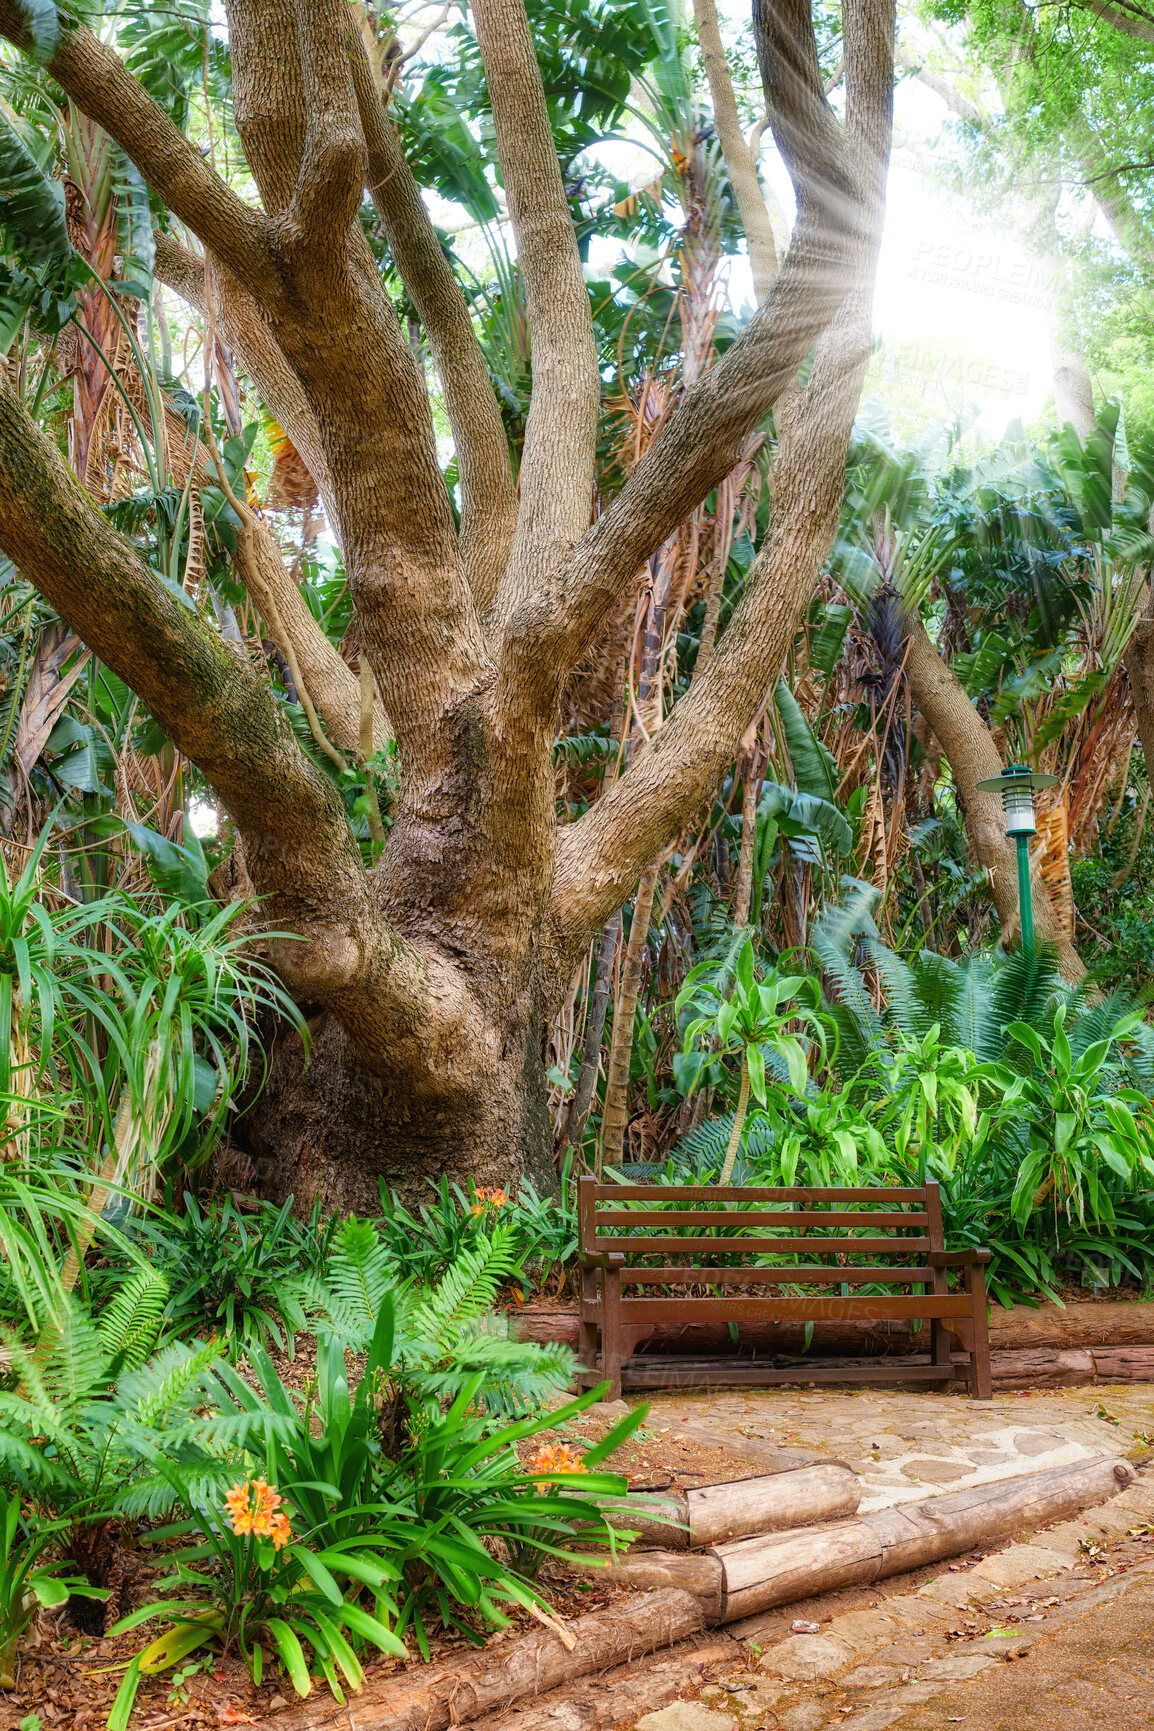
(446, 1333)
(94, 1405)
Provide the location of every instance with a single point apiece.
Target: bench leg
(612, 1343)
(979, 1375)
(587, 1329)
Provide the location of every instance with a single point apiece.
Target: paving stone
(1109, 1519)
(1035, 1442)
(912, 1694)
(919, 1615)
(1139, 1499)
(954, 1589)
(806, 1716)
(807, 1657)
(903, 1654)
(871, 1677)
(1000, 1645)
(937, 1472)
(956, 1669)
(873, 1719)
(1066, 1540)
(686, 1716)
(862, 1630)
(1021, 1563)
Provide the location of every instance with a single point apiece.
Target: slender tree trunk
(1139, 664)
(749, 779)
(738, 1121)
(616, 1115)
(968, 747)
(594, 1030)
(739, 160)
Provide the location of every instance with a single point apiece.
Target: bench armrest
(601, 1259)
(957, 1258)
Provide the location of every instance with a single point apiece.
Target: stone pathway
(904, 1444)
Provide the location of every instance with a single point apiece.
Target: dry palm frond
(291, 486)
(1052, 853)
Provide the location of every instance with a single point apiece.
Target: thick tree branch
(601, 856)
(739, 159)
(969, 749)
(1123, 15)
(332, 171)
(298, 848)
(556, 477)
(98, 82)
(488, 489)
(268, 94)
(551, 629)
(246, 329)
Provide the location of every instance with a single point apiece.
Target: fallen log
(783, 1567)
(799, 1498)
(1124, 1363)
(432, 1697)
(768, 1503)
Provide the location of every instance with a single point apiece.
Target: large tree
(429, 977)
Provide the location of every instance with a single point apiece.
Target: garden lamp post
(1017, 785)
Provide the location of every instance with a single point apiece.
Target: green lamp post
(1017, 785)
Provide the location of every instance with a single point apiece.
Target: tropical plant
(28, 1580)
(445, 1334)
(93, 1405)
(750, 1019)
(238, 1274)
(246, 1584)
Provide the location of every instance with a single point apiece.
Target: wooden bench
(635, 1238)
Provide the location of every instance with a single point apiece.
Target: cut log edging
(1047, 1347)
(723, 1585)
(704, 1515)
(740, 1578)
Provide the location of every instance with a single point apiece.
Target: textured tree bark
(1139, 664)
(969, 748)
(739, 160)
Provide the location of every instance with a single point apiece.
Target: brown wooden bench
(635, 1238)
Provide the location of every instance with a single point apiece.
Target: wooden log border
(722, 1585)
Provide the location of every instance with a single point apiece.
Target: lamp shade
(1017, 785)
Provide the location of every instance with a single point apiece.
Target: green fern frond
(130, 1325)
(72, 1353)
(172, 1382)
(469, 1286)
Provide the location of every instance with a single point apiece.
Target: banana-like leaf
(31, 204)
(814, 769)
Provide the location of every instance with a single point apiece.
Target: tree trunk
(429, 975)
(969, 749)
(333, 1129)
(1139, 664)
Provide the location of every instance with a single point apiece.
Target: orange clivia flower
(556, 1458)
(487, 1198)
(254, 1506)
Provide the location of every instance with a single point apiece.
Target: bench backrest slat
(660, 1218)
(910, 1219)
(653, 1245)
(773, 1276)
(709, 1193)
